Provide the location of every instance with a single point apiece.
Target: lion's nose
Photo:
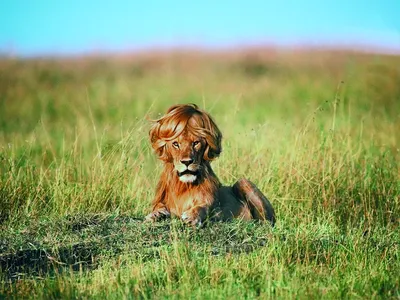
(187, 162)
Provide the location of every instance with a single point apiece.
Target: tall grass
(318, 132)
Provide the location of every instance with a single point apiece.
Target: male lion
(187, 139)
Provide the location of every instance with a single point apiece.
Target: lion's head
(187, 137)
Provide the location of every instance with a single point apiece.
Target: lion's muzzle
(188, 176)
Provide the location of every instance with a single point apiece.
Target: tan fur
(186, 139)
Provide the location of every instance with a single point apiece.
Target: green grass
(318, 132)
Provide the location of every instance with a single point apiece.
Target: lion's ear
(158, 144)
(214, 139)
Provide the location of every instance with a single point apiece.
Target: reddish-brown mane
(171, 189)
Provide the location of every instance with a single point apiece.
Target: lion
(187, 139)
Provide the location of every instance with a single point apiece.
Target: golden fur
(186, 139)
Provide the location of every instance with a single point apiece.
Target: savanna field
(317, 131)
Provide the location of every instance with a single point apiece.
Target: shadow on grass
(77, 243)
(39, 262)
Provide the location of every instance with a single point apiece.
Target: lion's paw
(191, 219)
(158, 214)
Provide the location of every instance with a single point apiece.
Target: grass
(317, 131)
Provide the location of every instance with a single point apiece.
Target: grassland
(317, 131)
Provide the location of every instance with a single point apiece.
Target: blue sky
(38, 27)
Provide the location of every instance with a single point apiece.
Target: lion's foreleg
(160, 210)
(197, 213)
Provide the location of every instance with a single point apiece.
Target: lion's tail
(260, 207)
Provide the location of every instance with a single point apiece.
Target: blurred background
(42, 28)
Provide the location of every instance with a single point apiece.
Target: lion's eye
(175, 144)
(195, 143)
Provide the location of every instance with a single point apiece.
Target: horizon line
(361, 47)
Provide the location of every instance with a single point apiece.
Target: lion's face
(187, 137)
(187, 152)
